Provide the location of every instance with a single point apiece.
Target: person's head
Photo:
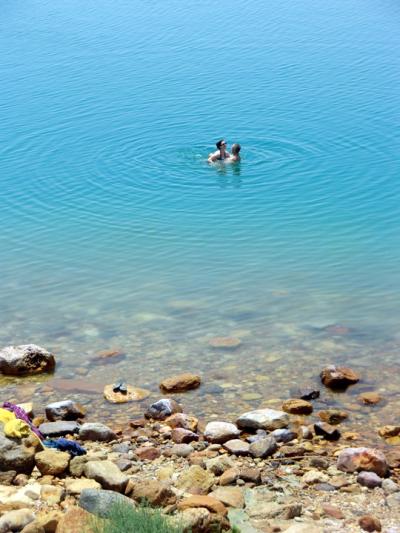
(221, 144)
(235, 149)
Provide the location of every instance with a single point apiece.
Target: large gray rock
(263, 419)
(107, 474)
(99, 502)
(96, 431)
(16, 520)
(25, 359)
(220, 432)
(64, 410)
(15, 456)
(59, 429)
(263, 447)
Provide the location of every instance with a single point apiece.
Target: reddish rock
(180, 383)
(154, 492)
(369, 523)
(207, 502)
(337, 377)
(229, 477)
(138, 423)
(75, 520)
(359, 459)
(183, 436)
(148, 453)
(297, 407)
(180, 420)
(331, 510)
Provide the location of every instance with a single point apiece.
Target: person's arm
(213, 157)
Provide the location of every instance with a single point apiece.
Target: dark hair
(218, 144)
(235, 148)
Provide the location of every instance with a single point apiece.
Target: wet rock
(180, 383)
(109, 356)
(263, 447)
(14, 455)
(333, 416)
(99, 502)
(220, 432)
(154, 492)
(237, 447)
(183, 436)
(97, 432)
(25, 359)
(132, 394)
(196, 480)
(147, 453)
(358, 459)
(297, 407)
(336, 377)
(59, 428)
(64, 410)
(306, 393)
(107, 474)
(230, 496)
(207, 502)
(16, 520)
(370, 398)
(76, 486)
(263, 419)
(369, 523)
(180, 420)
(52, 462)
(326, 431)
(225, 343)
(162, 409)
(369, 479)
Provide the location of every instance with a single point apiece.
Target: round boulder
(52, 462)
(25, 359)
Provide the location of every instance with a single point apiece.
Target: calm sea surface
(117, 234)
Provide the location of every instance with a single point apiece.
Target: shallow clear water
(116, 232)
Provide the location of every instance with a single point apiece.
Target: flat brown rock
(227, 343)
(297, 407)
(370, 398)
(180, 383)
(207, 502)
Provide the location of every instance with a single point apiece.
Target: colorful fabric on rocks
(65, 445)
(21, 414)
(12, 426)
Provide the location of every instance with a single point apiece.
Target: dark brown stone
(337, 377)
(370, 523)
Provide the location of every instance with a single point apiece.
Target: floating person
(221, 154)
(235, 156)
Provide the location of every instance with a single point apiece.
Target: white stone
(263, 419)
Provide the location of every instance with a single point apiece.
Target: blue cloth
(65, 445)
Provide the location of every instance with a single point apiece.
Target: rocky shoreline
(268, 470)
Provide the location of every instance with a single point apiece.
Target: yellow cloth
(16, 429)
(12, 426)
(6, 416)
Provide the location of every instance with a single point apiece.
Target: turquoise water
(115, 230)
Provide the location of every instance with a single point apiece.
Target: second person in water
(222, 153)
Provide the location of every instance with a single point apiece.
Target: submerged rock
(336, 377)
(306, 393)
(333, 416)
(358, 459)
(25, 359)
(263, 419)
(227, 343)
(180, 383)
(370, 398)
